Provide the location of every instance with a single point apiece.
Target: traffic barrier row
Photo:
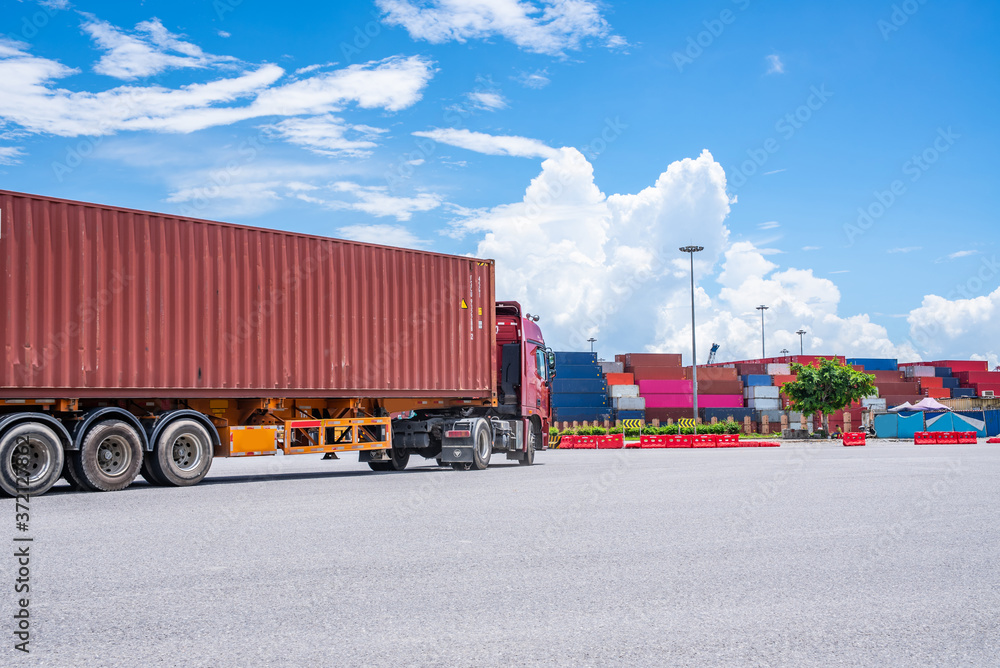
(700, 441)
(574, 442)
(945, 437)
(854, 438)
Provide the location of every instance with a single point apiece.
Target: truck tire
(30, 449)
(483, 446)
(70, 477)
(109, 457)
(529, 451)
(146, 473)
(182, 454)
(397, 462)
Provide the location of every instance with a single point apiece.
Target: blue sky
(834, 160)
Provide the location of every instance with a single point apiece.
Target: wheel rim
(113, 455)
(32, 458)
(186, 452)
(483, 445)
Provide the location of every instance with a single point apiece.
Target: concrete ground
(808, 554)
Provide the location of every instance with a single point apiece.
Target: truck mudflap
(458, 441)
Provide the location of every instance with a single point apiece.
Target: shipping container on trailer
(145, 342)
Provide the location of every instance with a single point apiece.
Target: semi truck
(147, 344)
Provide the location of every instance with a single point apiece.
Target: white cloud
(376, 201)
(10, 155)
(549, 27)
(393, 235)
(326, 135)
(769, 225)
(487, 101)
(811, 248)
(775, 171)
(33, 102)
(956, 327)
(480, 142)
(774, 64)
(906, 249)
(223, 34)
(962, 253)
(148, 50)
(536, 79)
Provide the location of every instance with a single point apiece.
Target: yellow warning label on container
(464, 305)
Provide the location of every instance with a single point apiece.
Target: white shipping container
(877, 404)
(630, 403)
(919, 371)
(623, 391)
(612, 367)
(761, 392)
(779, 370)
(764, 404)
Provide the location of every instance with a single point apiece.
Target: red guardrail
(854, 438)
(945, 437)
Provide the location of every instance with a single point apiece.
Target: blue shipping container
(578, 371)
(581, 415)
(577, 399)
(575, 358)
(722, 414)
(942, 371)
(579, 385)
(962, 392)
(630, 415)
(874, 363)
(756, 380)
(950, 383)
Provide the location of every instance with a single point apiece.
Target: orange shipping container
(620, 379)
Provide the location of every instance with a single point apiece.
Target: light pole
(591, 341)
(801, 333)
(691, 250)
(762, 308)
(784, 351)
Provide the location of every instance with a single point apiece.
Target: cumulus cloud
(549, 27)
(148, 50)
(774, 64)
(487, 101)
(480, 142)
(34, 102)
(960, 323)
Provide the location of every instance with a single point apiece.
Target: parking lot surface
(801, 555)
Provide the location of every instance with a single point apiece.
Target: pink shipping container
(104, 301)
(665, 387)
(687, 401)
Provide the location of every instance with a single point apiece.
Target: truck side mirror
(551, 358)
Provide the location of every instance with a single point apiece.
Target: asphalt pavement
(804, 555)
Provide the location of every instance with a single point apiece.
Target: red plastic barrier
(574, 442)
(969, 437)
(767, 444)
(854, 438)
(993, 440)
(728, 440)
(610, 442)
(704, 441)
(924, 438)
(634, 444)
(946, 437)
(678, 441)
(646, 441)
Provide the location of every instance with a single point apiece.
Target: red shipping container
(987, 387)
(714, 373)
(620, 379)
(932, 382)
(652, 359)
(970, 377)
(658, 373)
(718, 386)
(957, 365)
(778, 381)
(109, 302)
(941, 393)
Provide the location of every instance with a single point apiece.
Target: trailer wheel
(69, 475)
(398, 461)
(529, 452)
(146, 472)
(109, 457)
(182, 455)
(30, 450)
(484, 446)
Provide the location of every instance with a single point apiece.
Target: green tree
(827, 388)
